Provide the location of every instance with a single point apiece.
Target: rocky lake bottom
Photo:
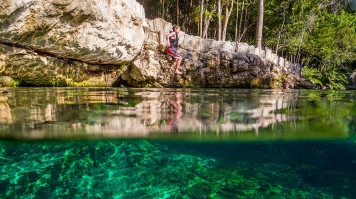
(159, 169)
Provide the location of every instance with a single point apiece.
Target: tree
(229, 5)
(259, 28)
(177, 7)
(201, 18)
(240, 24)
(281, 29)
(208, 17)
(163, 9)
(237, 20)
(219, 20)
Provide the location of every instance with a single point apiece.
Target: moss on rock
(6, 81)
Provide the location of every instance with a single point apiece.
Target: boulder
(251, 50)
(228, 46)
(28, 68)
(281, 61)
(208, 44)
(274, 58)
(146, 67)
(90, 31)
(269, 55)
(192, 43)
(303, 82)
(242, 48)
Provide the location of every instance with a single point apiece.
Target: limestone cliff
(207, 63)
(110, 43)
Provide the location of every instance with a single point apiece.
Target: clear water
(174, 143)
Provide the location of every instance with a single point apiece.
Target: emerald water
(177, 143)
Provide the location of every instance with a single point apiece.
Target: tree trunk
(208, 17)
(237, 20)
(228, 9)
(188, 15)
(281, 30)
(241, 17)
(206, 26)
(259, 28)
(219, 20)
(177, 12)
(300, 46)
(246, 21)
(201, 19)
(226, 19)
(163, 9)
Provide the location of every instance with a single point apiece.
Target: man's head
(176, 28)
(286, 85)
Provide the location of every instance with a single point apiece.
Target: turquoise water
(174, 143)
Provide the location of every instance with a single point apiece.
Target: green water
(176, 143)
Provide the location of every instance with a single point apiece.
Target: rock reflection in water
(5, 111)
(129, 113)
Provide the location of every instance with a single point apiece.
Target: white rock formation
(92, 31)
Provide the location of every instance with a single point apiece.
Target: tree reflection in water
(56, 113)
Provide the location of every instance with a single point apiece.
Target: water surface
(177, 143)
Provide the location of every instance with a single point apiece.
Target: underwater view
(177, 143)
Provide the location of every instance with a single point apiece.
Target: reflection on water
(44, 113)
(176, 105)
(5, 116)
(163, 164)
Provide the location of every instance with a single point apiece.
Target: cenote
(177, 143)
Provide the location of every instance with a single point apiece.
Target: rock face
(110, 43)
(92, 31)
(28, 68)
(206, 63)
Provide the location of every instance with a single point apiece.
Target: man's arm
(169, 36)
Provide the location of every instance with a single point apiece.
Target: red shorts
(173, 53)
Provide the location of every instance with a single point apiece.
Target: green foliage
(313, 75)
(331, 42)
(333, 79)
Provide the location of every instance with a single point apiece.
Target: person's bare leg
(174, 65)
(178, 65)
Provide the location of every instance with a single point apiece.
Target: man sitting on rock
(172, 46)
